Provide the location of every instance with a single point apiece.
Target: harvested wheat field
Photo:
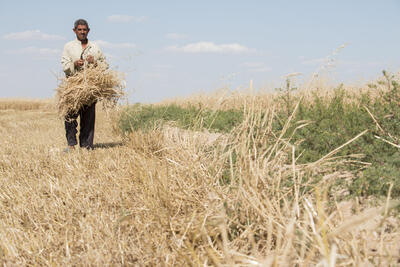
(171, 197)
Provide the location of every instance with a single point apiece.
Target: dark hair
(80, 22)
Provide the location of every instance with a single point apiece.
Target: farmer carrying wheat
(78, 54)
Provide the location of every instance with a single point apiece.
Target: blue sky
(176, 48)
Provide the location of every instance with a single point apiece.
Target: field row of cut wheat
(174, 197)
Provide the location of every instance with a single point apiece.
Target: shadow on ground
(108, 145)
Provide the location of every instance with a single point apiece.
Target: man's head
(81, 29)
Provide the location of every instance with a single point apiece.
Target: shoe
(87, 147)
(69, 149)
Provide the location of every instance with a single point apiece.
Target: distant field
(26, 104)
(165, 187)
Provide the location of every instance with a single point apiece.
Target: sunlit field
(184, 193)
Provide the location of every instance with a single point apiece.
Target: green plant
(335, 121)
(287, 97)
(146, 117)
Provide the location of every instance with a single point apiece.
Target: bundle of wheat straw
(94, 83)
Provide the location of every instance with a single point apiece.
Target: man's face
(81, 32)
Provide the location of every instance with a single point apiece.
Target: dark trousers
(86, 132)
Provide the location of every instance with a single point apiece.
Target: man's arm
(67, 62)
(98, 57)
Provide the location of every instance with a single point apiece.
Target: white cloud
(32, 35)
(125, 18)
(35, 51)
(105, 44)
(210, 47)
(175, 36)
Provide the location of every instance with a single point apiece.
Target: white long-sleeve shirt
(73, 51)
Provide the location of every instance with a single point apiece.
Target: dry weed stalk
(178, 198)
(242, 200)
(94, 83)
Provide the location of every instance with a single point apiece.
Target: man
(76, 55)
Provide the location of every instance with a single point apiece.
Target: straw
(94, 83)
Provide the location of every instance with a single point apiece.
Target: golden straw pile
(94, 83)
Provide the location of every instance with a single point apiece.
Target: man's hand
(90, 59)
(79, 63)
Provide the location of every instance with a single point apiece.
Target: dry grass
(264, 98)
(26, 104)
(94, 83)
(162, 199)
